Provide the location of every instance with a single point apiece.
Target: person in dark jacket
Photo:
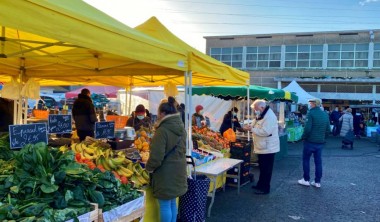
(317, 128)
(334, 117)
(84, 115)
(6, 114)
(139, 119)
(181, 110)
(230, 120)
(167, 161)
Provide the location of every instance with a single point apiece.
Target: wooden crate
(92, 216)
(135, 214)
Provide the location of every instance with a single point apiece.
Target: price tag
(60, 124)
(104, 130)
(21, 135)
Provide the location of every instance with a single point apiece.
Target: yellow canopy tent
(200, 64)
(70, 42)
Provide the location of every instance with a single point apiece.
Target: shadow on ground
(350, 189)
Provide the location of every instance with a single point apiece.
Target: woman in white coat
(266, 143)
(347, 121)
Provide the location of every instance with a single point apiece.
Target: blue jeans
(315, 149)
(168, 210)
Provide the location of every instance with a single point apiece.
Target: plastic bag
(230, 135)
(11, 90)
(31, 89)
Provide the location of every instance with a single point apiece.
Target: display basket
(127, 212)
(120, 121)
(92, 216)
(40, 114)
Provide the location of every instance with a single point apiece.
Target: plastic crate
(120, 121)
(40, 114)
(243, 168)
(244, 178)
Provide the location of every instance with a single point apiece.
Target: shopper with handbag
(167, 161)
(347, 130)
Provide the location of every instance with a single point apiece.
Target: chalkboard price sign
(60, 124)
(21, 135)
(104, 130)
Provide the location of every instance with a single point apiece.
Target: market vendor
(139, 118)
(6, 114)
(230, 120)
(198, 119)
(84, 115)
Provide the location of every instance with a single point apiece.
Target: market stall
(251, 92)
(294, 129)
(62, 46)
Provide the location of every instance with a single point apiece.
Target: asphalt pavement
(350, 188)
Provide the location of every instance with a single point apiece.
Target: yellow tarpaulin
(202, 66)
(71, 42)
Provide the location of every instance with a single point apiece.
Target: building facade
(341, 67)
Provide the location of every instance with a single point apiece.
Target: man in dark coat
(230, 120)
(334, 117)
(84, 115)
(6, 114)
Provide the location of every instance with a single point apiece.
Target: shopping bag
(192, 205)
(349, 137)
(230, 135)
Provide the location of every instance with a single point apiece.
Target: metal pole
(189, 116)
(248, 102)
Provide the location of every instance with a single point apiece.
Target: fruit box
(92, 216)
(126, 212)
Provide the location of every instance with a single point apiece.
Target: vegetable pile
(45, 184)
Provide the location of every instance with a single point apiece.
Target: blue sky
(191, 20)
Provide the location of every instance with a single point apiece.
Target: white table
(370, 129)
(216, 168)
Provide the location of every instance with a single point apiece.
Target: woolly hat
(198, 108)
(140, 109)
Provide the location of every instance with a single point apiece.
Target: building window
(347, 56)
(229, 56)
(263, 57)
(376, 55)
(303, 56)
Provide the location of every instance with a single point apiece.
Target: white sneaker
(304, 182)
(317, 185)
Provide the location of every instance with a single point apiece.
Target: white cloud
(367, 2)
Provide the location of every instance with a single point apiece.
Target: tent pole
(190, 80)
(126, 102)
(187, 110)
(249, 116)
(130, 100)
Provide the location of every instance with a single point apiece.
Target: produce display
(210, 140)
(104, 158)
(142, 143)
(40, 183)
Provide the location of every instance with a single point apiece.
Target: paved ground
(350, 189)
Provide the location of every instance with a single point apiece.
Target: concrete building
(341, 67)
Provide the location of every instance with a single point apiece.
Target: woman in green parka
(167, 161)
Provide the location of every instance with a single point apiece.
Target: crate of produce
(244, 146)
(40, 114)
(244, 178)
(120, 121)
(92, 216)
(243, 169)
(126, 212)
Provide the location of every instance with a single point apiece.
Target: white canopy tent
(303, 96)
